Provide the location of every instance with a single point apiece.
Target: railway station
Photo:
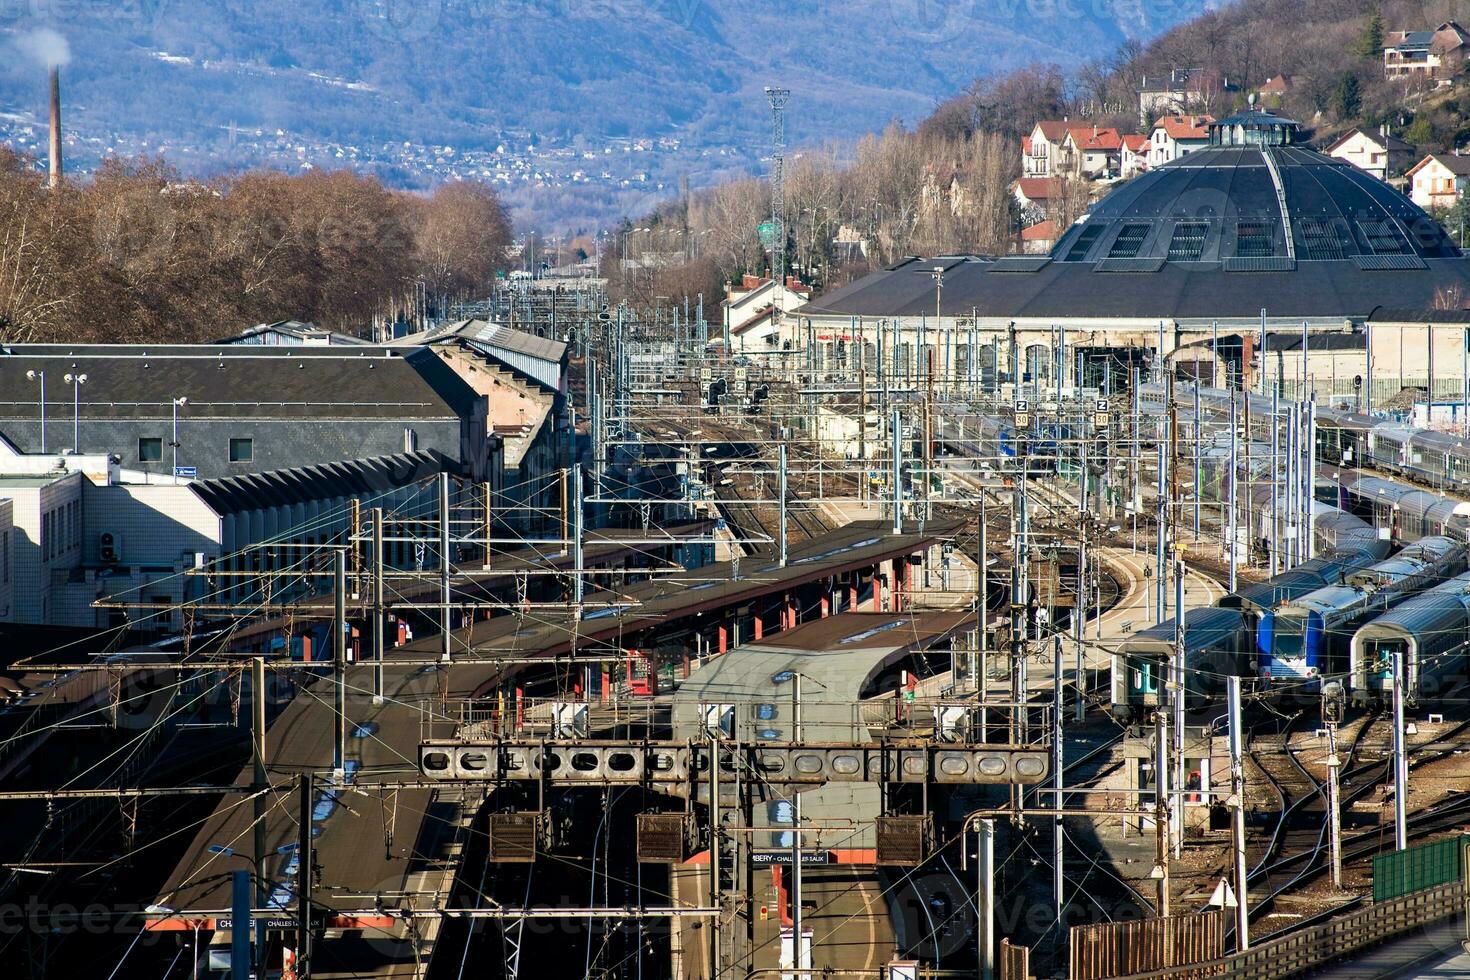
(1088, 615)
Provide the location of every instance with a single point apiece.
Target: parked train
(1344, 437)
(1305, 639)
(1216, 643)
(1431, 631)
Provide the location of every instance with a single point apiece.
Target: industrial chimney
(55, 126)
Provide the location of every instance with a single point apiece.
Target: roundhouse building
(1253, 234)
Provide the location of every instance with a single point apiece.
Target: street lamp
(76, 381)
(178, 403)
(41, 377)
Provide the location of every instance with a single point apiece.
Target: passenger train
(1305, 639)
(1431, 631)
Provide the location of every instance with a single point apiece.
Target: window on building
(1128, 242)
(150, 449)
(1254, 239)
(1188, 242)
(242, 450)
(1079, 249)
(1383, 237)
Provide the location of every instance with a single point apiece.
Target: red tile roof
(1186, 127)
(1038, 188)
(1054, 130)
(1094, 138)
(1135, 141)
(1042, 231)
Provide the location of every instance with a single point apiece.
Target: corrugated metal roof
(275, 488)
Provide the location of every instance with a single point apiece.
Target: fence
(1115, 949)
(1309, 949)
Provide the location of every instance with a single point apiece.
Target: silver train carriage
(1431, 631)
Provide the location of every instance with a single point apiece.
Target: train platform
(387, 843)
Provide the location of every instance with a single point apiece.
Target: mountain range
(579, 109)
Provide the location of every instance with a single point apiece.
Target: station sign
(783, 856)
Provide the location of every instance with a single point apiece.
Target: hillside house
(1438, 180)
(1182, 91)
(1174, 136)
(1093, 152)
(1041, 152)
(752, 323)
(1040, 238)
(1133, 158)
(1379, 154)
(1275, 89)
(1435, 54)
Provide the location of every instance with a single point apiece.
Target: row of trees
(138, 253)
(899, 192)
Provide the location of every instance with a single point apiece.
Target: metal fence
(1310, 949)
(1115, 949)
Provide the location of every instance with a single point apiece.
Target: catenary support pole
(985, 892)
(1400, 758)
(378, 610)
(1237, 815)
(446, 633)
(339, 664)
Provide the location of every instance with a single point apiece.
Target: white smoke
(46, 46)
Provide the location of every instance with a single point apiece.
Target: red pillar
(877, 589)
(606, 683)
(756, 616)
(852, 590)
(826, 607)
(900, 582)
(724, 638)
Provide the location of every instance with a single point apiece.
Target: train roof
(1203, 627)
(1443, 608)
(1302, 580)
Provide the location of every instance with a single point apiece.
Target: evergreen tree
(1370, 45)
(1347, 99)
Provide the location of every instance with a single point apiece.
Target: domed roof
(1252, 199)
(1253, 224)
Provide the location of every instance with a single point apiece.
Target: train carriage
(1214, 639)
(1309, 637)
(1431, 631)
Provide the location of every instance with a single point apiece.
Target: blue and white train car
(1431, 631)
(1309, 637)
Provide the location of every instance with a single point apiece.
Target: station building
(1251, 236)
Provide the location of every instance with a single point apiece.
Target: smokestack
(55, 126)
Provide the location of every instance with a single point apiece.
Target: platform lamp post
(177, 403)
(41, 377)
(76, 381)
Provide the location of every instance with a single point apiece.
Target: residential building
(1174, 136)
(1437, 54)
(1379, 154)
(1041, 152)
(1133, 158)
(754, 314)
(1092, 152)
(1438, 180)
(1037, 193)
(216, 411)
(1038, 239)
(1181, 91)
(1063, 148)
(1275, 89)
